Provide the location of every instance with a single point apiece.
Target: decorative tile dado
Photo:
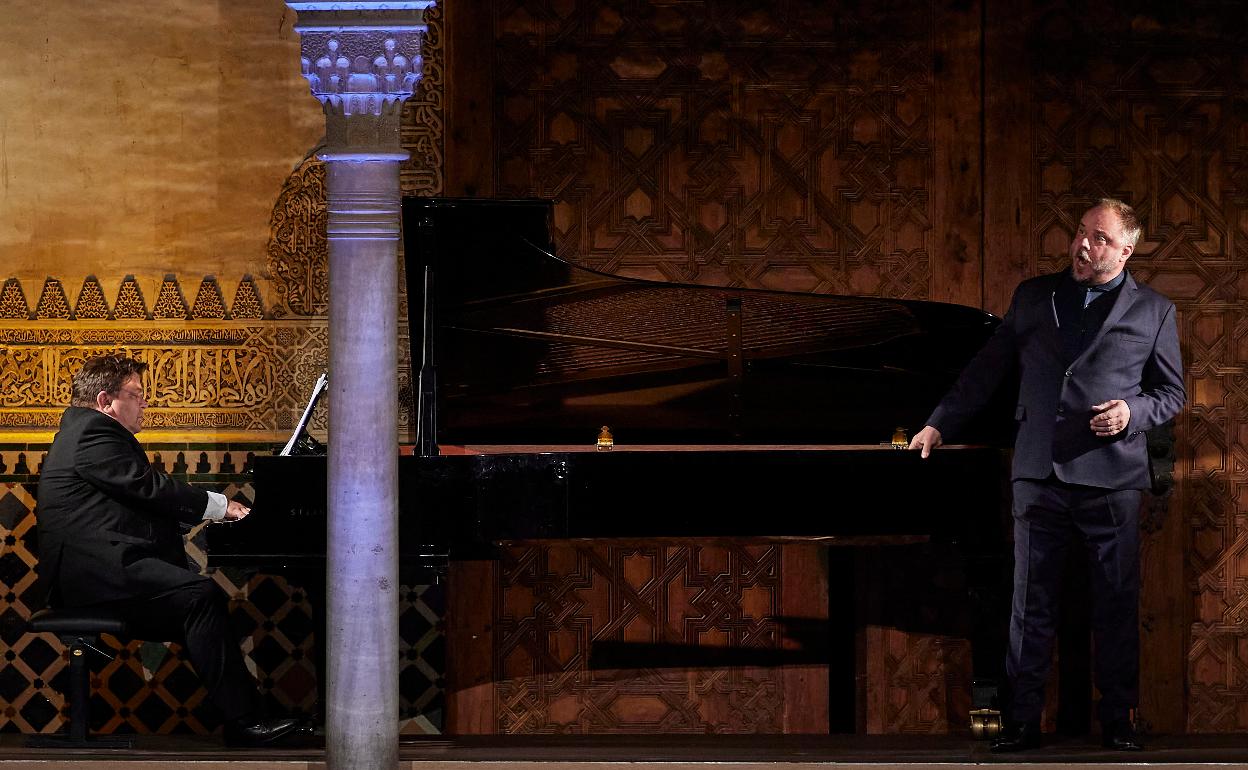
(149, 687)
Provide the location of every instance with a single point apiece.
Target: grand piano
(557, 404)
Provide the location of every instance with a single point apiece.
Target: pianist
(110, 535)
(1097, 357)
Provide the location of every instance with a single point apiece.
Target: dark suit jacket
(1134, 357)
(110, 525)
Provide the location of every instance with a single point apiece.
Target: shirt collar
(1111, 284)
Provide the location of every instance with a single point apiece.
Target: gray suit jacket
(1134, 357)
(110, 525)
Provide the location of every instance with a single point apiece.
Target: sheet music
(322, 383)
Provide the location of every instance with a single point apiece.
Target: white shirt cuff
(215, 511)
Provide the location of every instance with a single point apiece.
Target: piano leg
(987, 576)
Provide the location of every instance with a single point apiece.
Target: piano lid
(516, 346)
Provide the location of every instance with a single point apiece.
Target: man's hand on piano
(926, 440)
(236, 511)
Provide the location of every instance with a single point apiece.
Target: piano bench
(79, 629)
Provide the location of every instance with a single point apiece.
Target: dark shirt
(1081, 310)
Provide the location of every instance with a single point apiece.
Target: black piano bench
(79, 629)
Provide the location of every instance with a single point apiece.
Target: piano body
(566, 415)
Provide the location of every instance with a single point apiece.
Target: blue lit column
(362, 60)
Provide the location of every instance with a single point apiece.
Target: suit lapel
(1048, 311)
(1126, 297)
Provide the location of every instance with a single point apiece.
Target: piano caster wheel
(985, 724)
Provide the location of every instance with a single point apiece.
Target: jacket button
(1069, 373)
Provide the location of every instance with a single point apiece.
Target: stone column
(362, 60)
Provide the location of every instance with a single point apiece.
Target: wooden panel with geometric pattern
(552, 610)
(786, 146)
(776, 145)
(1145, 102)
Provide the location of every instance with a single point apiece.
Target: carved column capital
(362, 60)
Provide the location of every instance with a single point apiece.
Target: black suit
(1069, 483)
(1132, 355)
(110, 534)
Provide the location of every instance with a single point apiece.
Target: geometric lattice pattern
(743, 147)
(149, 687)
(736, 147)
(1162, 123)
(917, 656)
(557, 601)
(254, 375)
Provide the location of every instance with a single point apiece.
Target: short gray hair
(1126, 217)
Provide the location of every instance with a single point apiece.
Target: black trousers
(197, 616)
(1048, 516)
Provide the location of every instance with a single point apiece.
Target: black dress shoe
(1017, 736)
(1121, 736)
(250, 733)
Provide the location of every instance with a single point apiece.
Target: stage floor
(645, 753)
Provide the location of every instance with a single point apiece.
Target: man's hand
(236, 511)
(1111, 418)
(926, 440)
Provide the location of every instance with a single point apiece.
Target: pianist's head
(111, 384)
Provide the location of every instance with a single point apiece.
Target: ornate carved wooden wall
(840, 148)
(781, 145)
(805, 146)
(1146, 102)
(525, 644)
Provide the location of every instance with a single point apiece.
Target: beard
(1087, 273)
